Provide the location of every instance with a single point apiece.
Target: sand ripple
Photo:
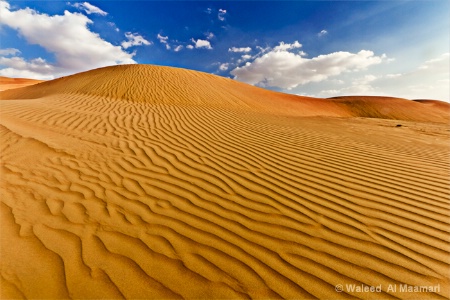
(106, 197)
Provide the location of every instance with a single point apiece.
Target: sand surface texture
(163, 183)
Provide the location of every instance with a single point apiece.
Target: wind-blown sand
(155, 182)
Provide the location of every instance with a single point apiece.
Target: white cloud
(365, 90)
(9, 51)
(190, 47)
(243, 58)
(209, 35)
(337, 81)
(224, 67)
(263, 50)
(284, 69)
(221, 14)
(164, 40)
(178, 48)
(208, 11)
(284, 47)
(89, 8)
(439, 63)
(202, 43)
(67, 37)
(134, 39)
(429, 80)
(359, 86)
(36, 68)
(365, 80)
(322, 33)
(243, 49)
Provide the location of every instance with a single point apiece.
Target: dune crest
(163, 183)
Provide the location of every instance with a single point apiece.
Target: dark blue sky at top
(351, 26)
(383, 27)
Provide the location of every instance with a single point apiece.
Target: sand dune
(395, 108)
(162, 183)
(7, 83)
(158, 85)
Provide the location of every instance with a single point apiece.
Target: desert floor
(157, 183)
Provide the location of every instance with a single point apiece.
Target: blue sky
(315, 48)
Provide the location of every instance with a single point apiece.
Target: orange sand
(7, 83)
(160, 183)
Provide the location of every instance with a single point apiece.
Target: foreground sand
(151, 182)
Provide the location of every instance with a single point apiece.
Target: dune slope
(162, 183)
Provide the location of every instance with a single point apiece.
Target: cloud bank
(429, 80)
(282, 68)
(67, 37)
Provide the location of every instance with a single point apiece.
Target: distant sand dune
(155, 182)
(7, 83)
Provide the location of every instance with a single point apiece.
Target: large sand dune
(154, 182)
